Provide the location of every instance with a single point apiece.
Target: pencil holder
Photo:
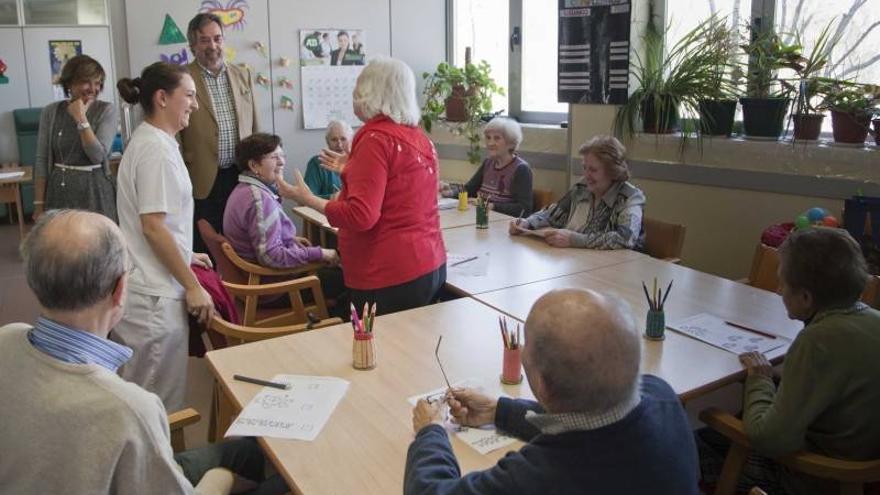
(363, 351)
(482, 216)
(655, 325)
(511, 367)
(462, 201)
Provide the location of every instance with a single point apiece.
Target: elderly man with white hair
(326, 183)
(504, 177)
(598, 425)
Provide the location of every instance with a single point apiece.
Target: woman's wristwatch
(81, 126)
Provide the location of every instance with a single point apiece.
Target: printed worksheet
(719, 333)
(484, 439)
(298, 413)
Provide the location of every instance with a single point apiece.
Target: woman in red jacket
(386, 212)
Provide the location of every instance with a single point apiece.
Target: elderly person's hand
(329, 257)
(333, 161)
(560, 238)
(516, 226)
(471, 408)
(756, 364)
(427, 413)
(298, 191)
(202, 260)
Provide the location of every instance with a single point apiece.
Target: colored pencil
(666, 294)
(648, 297)
(750, 329)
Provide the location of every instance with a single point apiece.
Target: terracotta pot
(877, 131)
(456, 104)
(807, 126)
(849, 128)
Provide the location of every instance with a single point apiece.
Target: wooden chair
(664, 240)
(872, 291)
(765, 263)
(242, 279)
(541, 198)
(177, 421)
(851, 475)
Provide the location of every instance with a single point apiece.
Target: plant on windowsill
(767, 99)
(717, 106)
(462, 95)
(852, 105)
(670, 82)
(809, 88)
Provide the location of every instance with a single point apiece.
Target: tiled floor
(18, 304)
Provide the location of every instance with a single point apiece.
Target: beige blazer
(199, 142)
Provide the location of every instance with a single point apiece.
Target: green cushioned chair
(27, 124)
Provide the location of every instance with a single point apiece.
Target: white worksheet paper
(447, 203)
(484, 439)
(468, 264)
(11, 175)
(298, 413)
(714, 331)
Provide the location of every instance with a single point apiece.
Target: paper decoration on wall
(286, 103)
(171, 34)
(284, 61)
(262, 48)
(246, 66)
(262, 80)
(285, 82)
(231, 14)
(229, 54)
(181, 58)
(3, 78)
(60, 51)
(330, 62)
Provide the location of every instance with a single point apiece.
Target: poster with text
(60, 51)
(330, 62)
(594, 51)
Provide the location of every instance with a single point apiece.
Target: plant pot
(849, 128)
(763, 117)
(877, 131)
(456, 103)
(807, 126)
(716, 117)
(664, 123)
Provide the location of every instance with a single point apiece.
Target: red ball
(830, 221)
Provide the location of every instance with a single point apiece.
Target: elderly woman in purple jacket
(254, 222)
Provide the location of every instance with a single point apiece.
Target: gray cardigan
(103, 118)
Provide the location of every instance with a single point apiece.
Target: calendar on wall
(330, 62)
(594, 47)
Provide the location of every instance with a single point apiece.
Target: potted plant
(766, 98)
(670, 81)
(461, 95)
(810, 89)
(852, 106)
(717, 106)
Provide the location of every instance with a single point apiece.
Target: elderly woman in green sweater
(829, 396)
(325, 182)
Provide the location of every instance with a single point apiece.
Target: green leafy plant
(767, 55)
(852, 98)
(811, 88)
(674, 81)
(473, 87)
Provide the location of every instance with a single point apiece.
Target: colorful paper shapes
(231, 14)
(229, 54)
(262, 80)
(262, 48)
(171, 33)
(285, 82)
(284, 61)
(3, 67)
(286, 103)
(181, 58)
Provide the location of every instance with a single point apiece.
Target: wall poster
(330, 62)
(594, 51)
(60, 51)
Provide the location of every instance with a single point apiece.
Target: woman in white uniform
(155, 207)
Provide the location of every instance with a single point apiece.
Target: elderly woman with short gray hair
(323, 182)
(386, 212)
(504, 178)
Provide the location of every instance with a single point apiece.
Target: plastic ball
(816, 214)
(801, 222)
(830, 221)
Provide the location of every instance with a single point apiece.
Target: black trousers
(408, 295)
(212, 207)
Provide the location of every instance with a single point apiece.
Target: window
(65, 12)
(527, 71)
(8, 12)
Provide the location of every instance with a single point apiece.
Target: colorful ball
(801, 222)
(830, 221)
(816, 214)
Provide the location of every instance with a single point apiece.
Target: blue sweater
(651, 450)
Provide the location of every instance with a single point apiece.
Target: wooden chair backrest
(541, 198)
(225, 266)
(765, 263)
(664, 240)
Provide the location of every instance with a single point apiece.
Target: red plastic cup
(511, 369)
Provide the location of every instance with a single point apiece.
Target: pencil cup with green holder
(655, 325)
(482, 216)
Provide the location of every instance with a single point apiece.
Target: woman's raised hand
(333, 161)
(298, 191)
